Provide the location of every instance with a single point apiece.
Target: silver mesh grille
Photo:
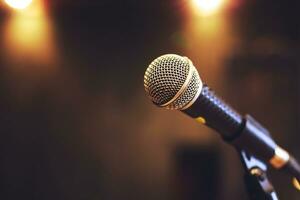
(172, 81)
(164, 77)
(188, 95)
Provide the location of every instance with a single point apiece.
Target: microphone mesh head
(172, 81)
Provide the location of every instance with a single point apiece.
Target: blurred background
(76, 123)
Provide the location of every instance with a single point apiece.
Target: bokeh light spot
(18, 4)
(208, 7)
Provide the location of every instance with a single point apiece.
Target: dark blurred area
(76, 123)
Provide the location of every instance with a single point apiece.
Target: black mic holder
(256, 180)
(257, 183)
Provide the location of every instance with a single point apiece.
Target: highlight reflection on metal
(18, 4)
(280, 158)
(208, 7)
(28, 35)
(296, 183)
(172, 81)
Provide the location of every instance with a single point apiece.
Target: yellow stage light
(29, 34)
(208, 7)
(18, 4)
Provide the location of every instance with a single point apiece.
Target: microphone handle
(242, 132)
(215, 113)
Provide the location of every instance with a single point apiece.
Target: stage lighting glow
(18, 4)
(208, 7)
(29, 34)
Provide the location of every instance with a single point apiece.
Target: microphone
(172, 82)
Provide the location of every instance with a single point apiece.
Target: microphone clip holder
(256, 180)
(257, 183)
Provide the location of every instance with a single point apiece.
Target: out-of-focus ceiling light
(18, 4)
(208, 7)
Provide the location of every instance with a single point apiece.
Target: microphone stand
(256, 181)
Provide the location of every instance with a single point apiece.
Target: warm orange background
(76, 123)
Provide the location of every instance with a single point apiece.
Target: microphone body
(245, 133)
(173, 82)
(212, 111)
